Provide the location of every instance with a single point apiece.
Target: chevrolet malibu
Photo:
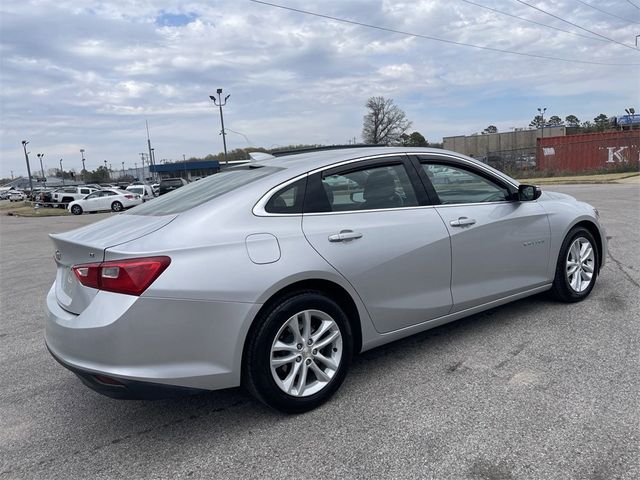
(272, 275)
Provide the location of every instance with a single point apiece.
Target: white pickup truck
(65, 195)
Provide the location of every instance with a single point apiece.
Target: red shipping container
(590, 152)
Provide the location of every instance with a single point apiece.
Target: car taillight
(132, 276)
(129, 197)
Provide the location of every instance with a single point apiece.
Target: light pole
(122, 169)
(11, 174)
(135, 164)
(542, 110)
(26, 157)
(184, 164)
(40, 155)
(61, 172)
(84, 171)
(220, 103)
(107, 169)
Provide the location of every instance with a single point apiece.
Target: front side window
(371, 187)
(455, 185)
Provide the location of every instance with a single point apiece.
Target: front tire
(298, 354)
(116, 207)
(577, 266)
(76, 210)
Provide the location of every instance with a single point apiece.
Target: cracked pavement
(533, 389)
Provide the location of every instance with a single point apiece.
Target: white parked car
(16, 196)
(112, 199)
(144, 190)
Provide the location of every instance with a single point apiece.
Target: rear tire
(297, 372)
(76, 210)
(577, 267)
(116, 207)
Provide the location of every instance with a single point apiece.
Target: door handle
(344, 235)
(462, 221)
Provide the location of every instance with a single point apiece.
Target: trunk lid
(88, 245)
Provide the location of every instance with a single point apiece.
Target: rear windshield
(196, 193)
(136, 189)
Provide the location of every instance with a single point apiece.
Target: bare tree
(384, 122)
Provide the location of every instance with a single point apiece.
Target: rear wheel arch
(325, 287)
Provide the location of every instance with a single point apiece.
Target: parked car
(107, 199)
(16, 196)
(156, 188)
(65, 195)
(262, 276)
(145, 191)
(169, 184)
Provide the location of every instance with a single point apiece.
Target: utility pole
(40, 155)
(26, 157)
(184, 164)
(542, 110)
(151, 159)
(84, 170)
(61, 172)
(153, 162)
(220, 103)
(142, 158)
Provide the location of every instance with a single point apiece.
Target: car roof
(297, 164)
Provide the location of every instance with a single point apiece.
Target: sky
(88, 74)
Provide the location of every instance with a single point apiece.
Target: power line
(633, 4)
(575, 25)
(534, 22)
(428, 37)
(605, 12)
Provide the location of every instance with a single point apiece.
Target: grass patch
(595, 178)
(26, 209)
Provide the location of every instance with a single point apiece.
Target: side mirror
(527, 193)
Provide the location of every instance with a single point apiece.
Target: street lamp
(107, 169)
(135, 164)
(61, 172)
(84, 171)
(40, 155)
(542, 110)
(220, 103)
(123, 169)
(26, 157)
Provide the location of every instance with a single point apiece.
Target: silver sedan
(272, 275)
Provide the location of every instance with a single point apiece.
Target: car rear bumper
(150, 345)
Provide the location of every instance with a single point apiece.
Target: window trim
(422, 196)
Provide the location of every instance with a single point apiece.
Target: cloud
(88, 74)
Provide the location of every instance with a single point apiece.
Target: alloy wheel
(580, 264)
(306, 353)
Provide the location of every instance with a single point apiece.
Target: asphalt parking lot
(534, 389)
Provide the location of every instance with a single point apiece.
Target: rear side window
(197, 193)
(289, 199)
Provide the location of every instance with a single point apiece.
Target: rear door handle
(344, 235)
(462, 221)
